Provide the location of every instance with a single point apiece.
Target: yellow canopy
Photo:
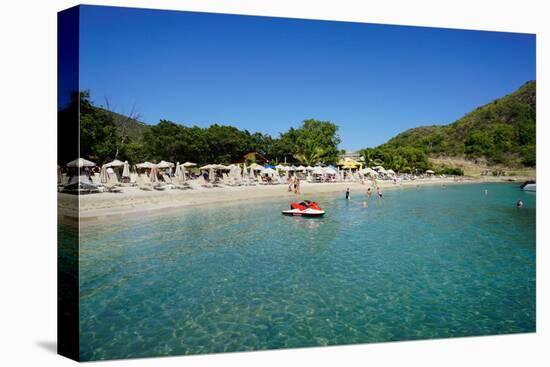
(348, 163)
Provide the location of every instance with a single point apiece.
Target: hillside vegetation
(502, 132)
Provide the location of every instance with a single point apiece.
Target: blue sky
(268, 74)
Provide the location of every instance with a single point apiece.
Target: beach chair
(202, 182)
(145, 186)
(112, 188)
(168, 182)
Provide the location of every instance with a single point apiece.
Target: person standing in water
(379, 192)
(369, 192)
(347, 194)
(519, 204)
(290, 183)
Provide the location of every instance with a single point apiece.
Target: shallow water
(419, 263)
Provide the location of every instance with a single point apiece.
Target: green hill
(133, 128)
(500, 132)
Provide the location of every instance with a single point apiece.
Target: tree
(98, 133)
(310, 153)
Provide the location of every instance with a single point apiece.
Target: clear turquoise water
(420, 263)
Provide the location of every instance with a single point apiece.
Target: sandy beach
(133, 201)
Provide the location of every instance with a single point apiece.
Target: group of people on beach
(293, 184)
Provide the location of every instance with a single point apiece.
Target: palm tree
(310, 153)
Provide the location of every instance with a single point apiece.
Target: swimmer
(486, 192)
(365, 204)
(369, 193)
(379, 192)
(519, 204)
(347, 194)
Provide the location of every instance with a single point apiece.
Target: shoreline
(135, 202)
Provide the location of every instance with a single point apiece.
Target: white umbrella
(103, 175)
(285, 168)
(309, 168)
(430, 171)
(268, 171)
(258, 168)
(164, 164)
(178, 170)
(330, 171)
(182, 169)
(126, 170)
(81, 162)
(245, 173)
(390, 172)
(207, 167)
(318, 170)
(189, 164)
(145, 165)
(237, 172)
(300, 168)
(115, 163)
(211, 174)
(153, 174)
(251, 173)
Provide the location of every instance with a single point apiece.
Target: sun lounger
(142, 184)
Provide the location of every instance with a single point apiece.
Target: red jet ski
(305, 209)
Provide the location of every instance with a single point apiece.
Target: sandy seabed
(133, 201)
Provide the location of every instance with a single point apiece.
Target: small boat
(304, 209)
(529, 186)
